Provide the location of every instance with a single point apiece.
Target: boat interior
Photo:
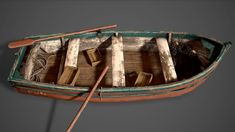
(44, 62)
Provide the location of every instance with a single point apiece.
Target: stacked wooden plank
(70, 71)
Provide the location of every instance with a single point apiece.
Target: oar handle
(87, 99)
(28, 42)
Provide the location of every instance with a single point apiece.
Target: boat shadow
(7, 59)
(51, 116)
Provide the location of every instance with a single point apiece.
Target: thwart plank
(118, 71)
(71, 61)
(166, 60)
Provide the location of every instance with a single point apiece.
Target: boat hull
(185, 89)
(120, 94)
(125, 97)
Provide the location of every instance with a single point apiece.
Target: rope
(42, 61)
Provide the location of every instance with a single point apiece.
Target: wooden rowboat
(136, 67)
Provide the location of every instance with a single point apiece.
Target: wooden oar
(87, 99)
(27, 42)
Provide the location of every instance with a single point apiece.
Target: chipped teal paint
(127, 89)
(84, 94)
(17, 79)
(14, 73)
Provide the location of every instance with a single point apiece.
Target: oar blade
(21, 43)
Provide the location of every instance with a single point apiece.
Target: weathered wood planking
(72, 53)
(118, 71)
(130, 43)
(144, 57)
(166, 60)
(135, 61)
(50, 46)
(62, 59)
(71, 61)
(76, 77)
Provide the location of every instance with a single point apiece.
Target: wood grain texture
(62, 58)
(72, 53)
(141, 55)
(118, 71)
(67, 75)
(166, 60)
(76, 77)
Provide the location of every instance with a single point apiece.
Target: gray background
(209, 108)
